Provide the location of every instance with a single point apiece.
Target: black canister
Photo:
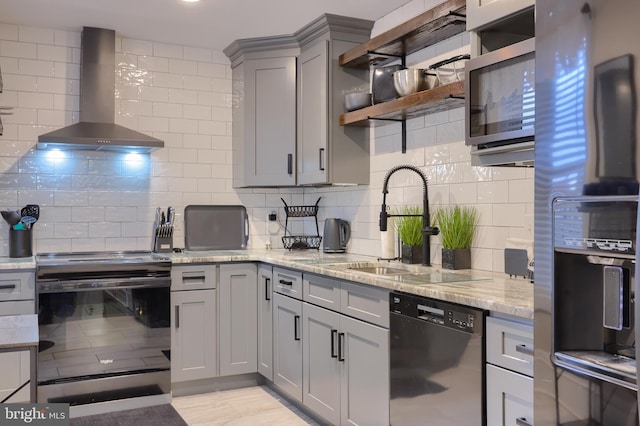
(20, 243)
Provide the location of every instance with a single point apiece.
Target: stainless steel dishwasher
(437, 363)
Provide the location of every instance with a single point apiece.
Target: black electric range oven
(104, 323)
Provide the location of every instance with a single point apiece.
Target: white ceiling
(208, 23)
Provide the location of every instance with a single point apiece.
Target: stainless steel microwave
(500, 97)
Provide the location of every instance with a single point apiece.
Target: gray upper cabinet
(482, 13)
(238, 309)
(327, 152)
(264, 111)
(288, 92)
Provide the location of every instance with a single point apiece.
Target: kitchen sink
(379, 270)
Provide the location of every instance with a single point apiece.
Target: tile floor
(254, 406)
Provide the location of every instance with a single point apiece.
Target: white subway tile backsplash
(55, 53)
(168, 50)
(153, 63)
(166, 109)
(137, 47)
(214, 128)
(521, 191)
(182, 96)
(464, 193)
(213, 70)
(179, 66)
(149, 124)
(202, 84)
(197, 54)
(174, 81)
(182, 125)
(66, 38)
(36, 35)
(8, 32)
(201, 112)
(36, 67)
(17, 49)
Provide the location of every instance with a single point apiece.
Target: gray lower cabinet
(346, 368)
(193, 335)
(15, 370)
(287, 345)
(509, 371)
(265, 321)
(238, 310)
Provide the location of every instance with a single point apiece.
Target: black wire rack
(301, 242)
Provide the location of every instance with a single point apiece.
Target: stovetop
(104, 264)
(100, 257)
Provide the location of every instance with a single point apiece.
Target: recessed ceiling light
(190, 1)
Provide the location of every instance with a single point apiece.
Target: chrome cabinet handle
(523, 349)
(296, 327)
(334, 333)
(522, 421)
(177, 314)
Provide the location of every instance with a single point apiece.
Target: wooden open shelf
(441, 98)
(430, 27)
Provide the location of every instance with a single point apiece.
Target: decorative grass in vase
(458, 226)
(409, 230)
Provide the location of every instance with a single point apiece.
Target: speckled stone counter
(18, 331)
(492, 291)
(7, 263)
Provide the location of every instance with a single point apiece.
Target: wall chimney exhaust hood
(96, 129)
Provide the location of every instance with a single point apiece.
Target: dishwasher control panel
(445, 314)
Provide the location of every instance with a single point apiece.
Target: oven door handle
(102, 284)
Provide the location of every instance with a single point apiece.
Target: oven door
(103, 340)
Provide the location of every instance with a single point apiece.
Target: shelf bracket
(404, 129)
(401, 57)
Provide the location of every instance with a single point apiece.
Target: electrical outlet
(273, 216)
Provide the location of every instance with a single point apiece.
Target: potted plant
(409, 230)
(458, 227)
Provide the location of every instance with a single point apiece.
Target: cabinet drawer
(321, 291)
(365, 302)
(287, 282)
(193, 277)
(17, 286)
(510, 345)
(509, 397)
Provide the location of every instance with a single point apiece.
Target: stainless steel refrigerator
(587, 170)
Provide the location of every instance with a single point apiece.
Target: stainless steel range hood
(96, 129)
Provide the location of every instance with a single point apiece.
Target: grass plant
(458, 226)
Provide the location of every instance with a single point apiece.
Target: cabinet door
(481, 13)
(238, 324)
(287, 345)
(193, 335)
(15, 370)
(509, 397)
(313, 78)
(321, 367)
(265, 321)
(270, 121)
(364, 385)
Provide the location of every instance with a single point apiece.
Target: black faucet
(427, 229)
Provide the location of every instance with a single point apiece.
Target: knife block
(163, 241)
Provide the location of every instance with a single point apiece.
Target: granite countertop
(18, 331)
(7, 263)
(486, 290)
